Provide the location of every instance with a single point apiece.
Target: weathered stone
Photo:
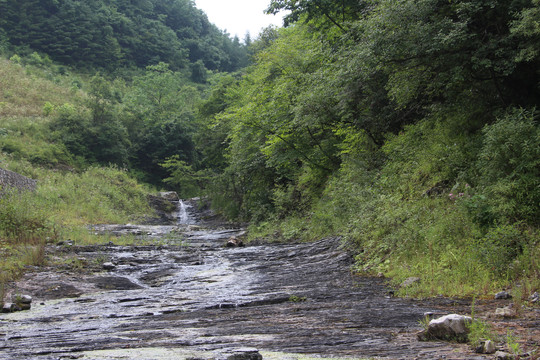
(169, 195)
(234, 242)
(9, 179)
(410, 281)
(22, 307)
(108, 266)
(503, 295)
(489, 347)
(505, 312)
(534, 298)
(245, 354)
(24, 299)
(449, 327)
(501, 355)
(8, 307)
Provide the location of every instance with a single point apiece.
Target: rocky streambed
(189, 297)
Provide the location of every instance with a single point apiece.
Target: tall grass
(61, 207)
(26, 89)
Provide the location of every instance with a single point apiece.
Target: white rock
(505, 312)
(449, 327)
(489, 347)
(409, 281)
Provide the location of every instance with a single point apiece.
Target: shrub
(499, 247)
(509, 163)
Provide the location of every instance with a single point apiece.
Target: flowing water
(190, 297)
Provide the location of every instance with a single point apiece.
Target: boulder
(22, 307)
(486, 347)
(505, 312)
(449, 327)
(410, 281)
(234, 242)
(8, 307)
(108, 266)
(23, 299)
(503, 295)
(22, 302)
(169, 195)
(245, 354)
(501, 355)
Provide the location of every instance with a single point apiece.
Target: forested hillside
(119, 33)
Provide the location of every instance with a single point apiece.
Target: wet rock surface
(198, 296)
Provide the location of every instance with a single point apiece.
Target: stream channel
(187, 296)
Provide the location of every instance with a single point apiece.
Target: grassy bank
(60, 209)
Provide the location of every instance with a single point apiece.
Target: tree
(161, 121)
(336, 13)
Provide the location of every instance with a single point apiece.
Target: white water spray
(183, 216)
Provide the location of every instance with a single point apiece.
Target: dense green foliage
(119, 33)
(410, 128)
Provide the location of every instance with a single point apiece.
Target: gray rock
(22, 299)
(245, 354)
(410, 281)
(8, 307)
(108, 266)
(22, 307)
(169, 195)
(503, 295)
(505, 312)
(501, 355)
(534, 298)
(449, 327)
(489, 347)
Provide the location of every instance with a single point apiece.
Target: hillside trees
(120, 33)
(161, 116)
(409, 127)
(271, 143)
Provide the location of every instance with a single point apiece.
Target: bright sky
(239, 16)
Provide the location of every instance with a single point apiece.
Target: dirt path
(199, 300)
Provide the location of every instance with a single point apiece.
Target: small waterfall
(183, 216)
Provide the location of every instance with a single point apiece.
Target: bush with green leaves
(509, 164)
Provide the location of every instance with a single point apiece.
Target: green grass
(60, 209)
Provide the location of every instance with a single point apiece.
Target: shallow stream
(190, 297)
